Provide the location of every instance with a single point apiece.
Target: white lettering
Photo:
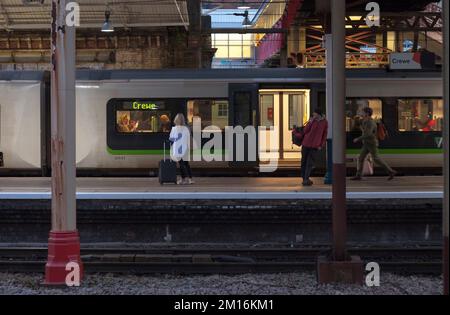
(373, 277)
(73, 15)
(373, 18)
(73, 277)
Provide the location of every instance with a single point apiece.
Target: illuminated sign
(144, 106)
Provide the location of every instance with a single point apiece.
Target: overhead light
(243, 6)
(246, 21)
(107, 26)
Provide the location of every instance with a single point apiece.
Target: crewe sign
(412, 61)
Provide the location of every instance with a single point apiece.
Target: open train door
(242, 142)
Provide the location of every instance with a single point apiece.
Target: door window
(267, 110)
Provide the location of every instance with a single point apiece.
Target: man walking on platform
(370, 145)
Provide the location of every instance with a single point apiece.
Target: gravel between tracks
(252, 284)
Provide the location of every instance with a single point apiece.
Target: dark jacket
(315, 133)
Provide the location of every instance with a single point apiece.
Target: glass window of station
(211, 112)
(238, 46)
(143, 117)
(420, 114)
(354, 110)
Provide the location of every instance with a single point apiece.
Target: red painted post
(64, 241)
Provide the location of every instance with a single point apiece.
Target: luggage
(368, 166)
(382, 132)
(167, 170)
(297, 135)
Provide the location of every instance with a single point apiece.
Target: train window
(420, 114)
(142, 117)
(297, 115)
(267, 109)
(354, 109)
(211, 112)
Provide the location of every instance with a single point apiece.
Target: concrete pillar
(446, 73)
(64, 242)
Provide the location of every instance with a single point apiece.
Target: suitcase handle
(164, 145)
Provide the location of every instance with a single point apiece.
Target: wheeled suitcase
(167, 170)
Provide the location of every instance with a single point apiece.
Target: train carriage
(123, 117)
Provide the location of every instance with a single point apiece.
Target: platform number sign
(373, 18)
(373, 277)
(73, 275)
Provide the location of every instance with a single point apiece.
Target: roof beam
(5, 16)
(183, 20)
(245, 30)
(92, 25)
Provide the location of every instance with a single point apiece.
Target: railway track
(412, 260)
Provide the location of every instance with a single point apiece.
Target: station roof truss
(234, 4)
(420, 15)
(15, 15)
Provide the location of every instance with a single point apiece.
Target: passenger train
(124, 117)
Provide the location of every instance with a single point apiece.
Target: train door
(295, 113)
(243, 100)
(281, 110)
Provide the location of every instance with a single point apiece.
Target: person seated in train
(133, 125)
(428, 125)
(369, 141)
(181, 137)
(314, 139)
(164, 123)
(123, 125)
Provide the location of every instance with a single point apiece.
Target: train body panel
(20, 124)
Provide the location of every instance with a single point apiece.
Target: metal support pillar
(339, 138)
(284, 51)
(446, 73)
(329, 108)
(339, 267)
(64, 241)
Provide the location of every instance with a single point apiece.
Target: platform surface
(412, 187)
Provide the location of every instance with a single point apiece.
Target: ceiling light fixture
(107, 26)
(246, 21)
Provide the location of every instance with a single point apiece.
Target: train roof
(24, 75)
(218, 74)
(242, 74)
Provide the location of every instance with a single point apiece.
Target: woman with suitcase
(180, 136)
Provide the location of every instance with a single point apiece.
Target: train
(123, 117)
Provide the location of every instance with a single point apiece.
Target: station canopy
(35, 14)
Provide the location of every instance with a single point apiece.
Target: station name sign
(411, 61)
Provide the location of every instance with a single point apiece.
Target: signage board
(412, 61)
